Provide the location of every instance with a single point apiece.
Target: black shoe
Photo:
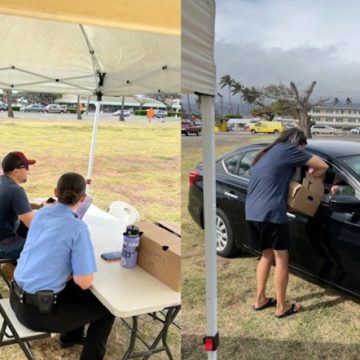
(66, 341)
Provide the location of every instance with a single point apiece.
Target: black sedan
(326, 246)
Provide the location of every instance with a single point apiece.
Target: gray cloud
(265, 42)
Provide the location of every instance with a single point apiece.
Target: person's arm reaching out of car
(320, 167)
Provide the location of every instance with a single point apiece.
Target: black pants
(74, 309)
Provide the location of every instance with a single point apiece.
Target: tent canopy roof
(110, 47)
(161, 16)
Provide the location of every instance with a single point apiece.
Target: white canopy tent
(199, 77)
(119, 48)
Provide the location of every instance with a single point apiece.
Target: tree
(166, 99)
(265, 111)
(336, 101)
(236, 88)
(226, 80)
(299, 103)
(9, 102)
(252, 96)
(121, 115)
(78, 108)
(140, 100)
(348, 101)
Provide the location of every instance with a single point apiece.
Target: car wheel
(224, 236)
(253, 131)
(187, 133)
(197, 133)
(276, 132)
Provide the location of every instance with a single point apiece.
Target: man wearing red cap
(14, 204)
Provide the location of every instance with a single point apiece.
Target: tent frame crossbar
(46, 79)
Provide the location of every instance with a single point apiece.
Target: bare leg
(281, 279)
(262, 275)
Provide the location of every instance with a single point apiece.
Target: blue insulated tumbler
(130, 246)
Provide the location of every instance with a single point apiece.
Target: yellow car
(273, 127)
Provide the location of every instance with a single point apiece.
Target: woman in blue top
(55, 270)
(265, 209)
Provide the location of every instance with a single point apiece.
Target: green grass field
(329, 327)
(136, 163)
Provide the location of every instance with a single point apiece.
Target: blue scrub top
(268, 188)
(58, 245)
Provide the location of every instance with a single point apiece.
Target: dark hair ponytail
(70, 187)
(292, 136)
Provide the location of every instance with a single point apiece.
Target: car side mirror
(345, 203)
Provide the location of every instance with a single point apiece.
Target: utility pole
(221, 104)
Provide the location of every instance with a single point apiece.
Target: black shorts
(265, 235)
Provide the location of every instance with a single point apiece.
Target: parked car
(56, 108)
(126, 113)
(34, 108)
(3, 107)
(160, 114)
(324, 130)
(189, 127)
(355, 131)
(273, 127)
(326, 246)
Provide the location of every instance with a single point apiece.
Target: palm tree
(348, 101)
(252, 96)
(227, 81)
(236, 88)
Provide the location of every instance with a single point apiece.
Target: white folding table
(128, 292)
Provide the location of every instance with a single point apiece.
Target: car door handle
(231, 195)
(291, 216)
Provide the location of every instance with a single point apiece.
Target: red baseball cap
(16, 160)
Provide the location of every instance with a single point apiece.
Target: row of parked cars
(52, 108)
(276, 127)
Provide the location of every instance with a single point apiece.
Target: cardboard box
(160, 254)
(306, 197)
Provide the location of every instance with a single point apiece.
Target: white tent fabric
(51, 56)
(197, 47)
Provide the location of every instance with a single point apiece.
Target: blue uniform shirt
(268, 188)
(13, 202)
(58, 245)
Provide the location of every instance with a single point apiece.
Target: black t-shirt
(13, 202)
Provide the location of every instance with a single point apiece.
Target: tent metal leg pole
(208, 147)
(93, 141)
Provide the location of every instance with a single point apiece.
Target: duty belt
(26, 298)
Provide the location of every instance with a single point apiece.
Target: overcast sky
(259, 42)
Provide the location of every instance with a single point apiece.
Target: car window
(245, 164)
(232, 162)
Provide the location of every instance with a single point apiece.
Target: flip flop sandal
(292, 311)
(269, 303)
